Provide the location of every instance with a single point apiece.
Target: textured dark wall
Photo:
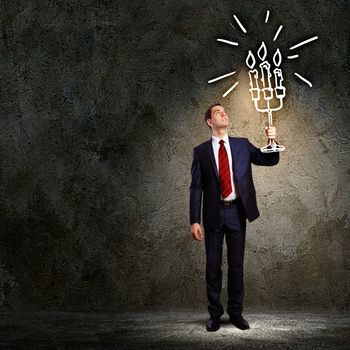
(101, 105)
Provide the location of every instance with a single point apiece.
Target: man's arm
(260, 158)
(196, 189)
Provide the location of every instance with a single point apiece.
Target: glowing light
(265, 65)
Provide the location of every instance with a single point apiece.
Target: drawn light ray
(303, 42)
(230, 89)
(228, 42)
(221, 77)
(240, 24)
(277, 33)
(292, 57)
(267, 16)
(304, 79)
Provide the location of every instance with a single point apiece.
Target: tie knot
(221, 142)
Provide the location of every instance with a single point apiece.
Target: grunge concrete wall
(101, 105)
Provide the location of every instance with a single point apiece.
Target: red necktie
(224, 171)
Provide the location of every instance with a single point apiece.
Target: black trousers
(233, 225)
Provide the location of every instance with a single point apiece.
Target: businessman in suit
(221, 170)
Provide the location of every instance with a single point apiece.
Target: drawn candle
(279, 88)
(265, 72)
(253, 76)
(265, 77)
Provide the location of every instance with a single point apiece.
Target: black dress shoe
(213, 324)
(239, 322)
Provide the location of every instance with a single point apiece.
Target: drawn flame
(250, 60)
(262, 52)
(277, 58)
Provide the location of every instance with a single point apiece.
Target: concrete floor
(172, 330)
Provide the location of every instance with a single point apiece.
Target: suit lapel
(212, 158)
(234, 154)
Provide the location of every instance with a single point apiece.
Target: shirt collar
(217, 139)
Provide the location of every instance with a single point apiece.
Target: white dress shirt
(216, 146)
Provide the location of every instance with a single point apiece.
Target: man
(221, 169)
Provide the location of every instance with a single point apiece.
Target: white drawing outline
(268, 91)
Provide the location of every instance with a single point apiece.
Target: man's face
(219, 117)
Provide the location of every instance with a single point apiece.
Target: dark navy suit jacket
(205, 179)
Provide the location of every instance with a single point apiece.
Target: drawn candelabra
(267, 93)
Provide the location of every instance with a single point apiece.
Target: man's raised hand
(270, 131)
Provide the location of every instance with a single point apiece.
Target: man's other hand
(196, 232)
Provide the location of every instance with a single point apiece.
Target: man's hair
(207, 114)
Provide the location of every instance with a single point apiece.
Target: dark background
(101, 105)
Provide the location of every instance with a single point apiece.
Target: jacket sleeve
(260, 158)
(196, 189)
